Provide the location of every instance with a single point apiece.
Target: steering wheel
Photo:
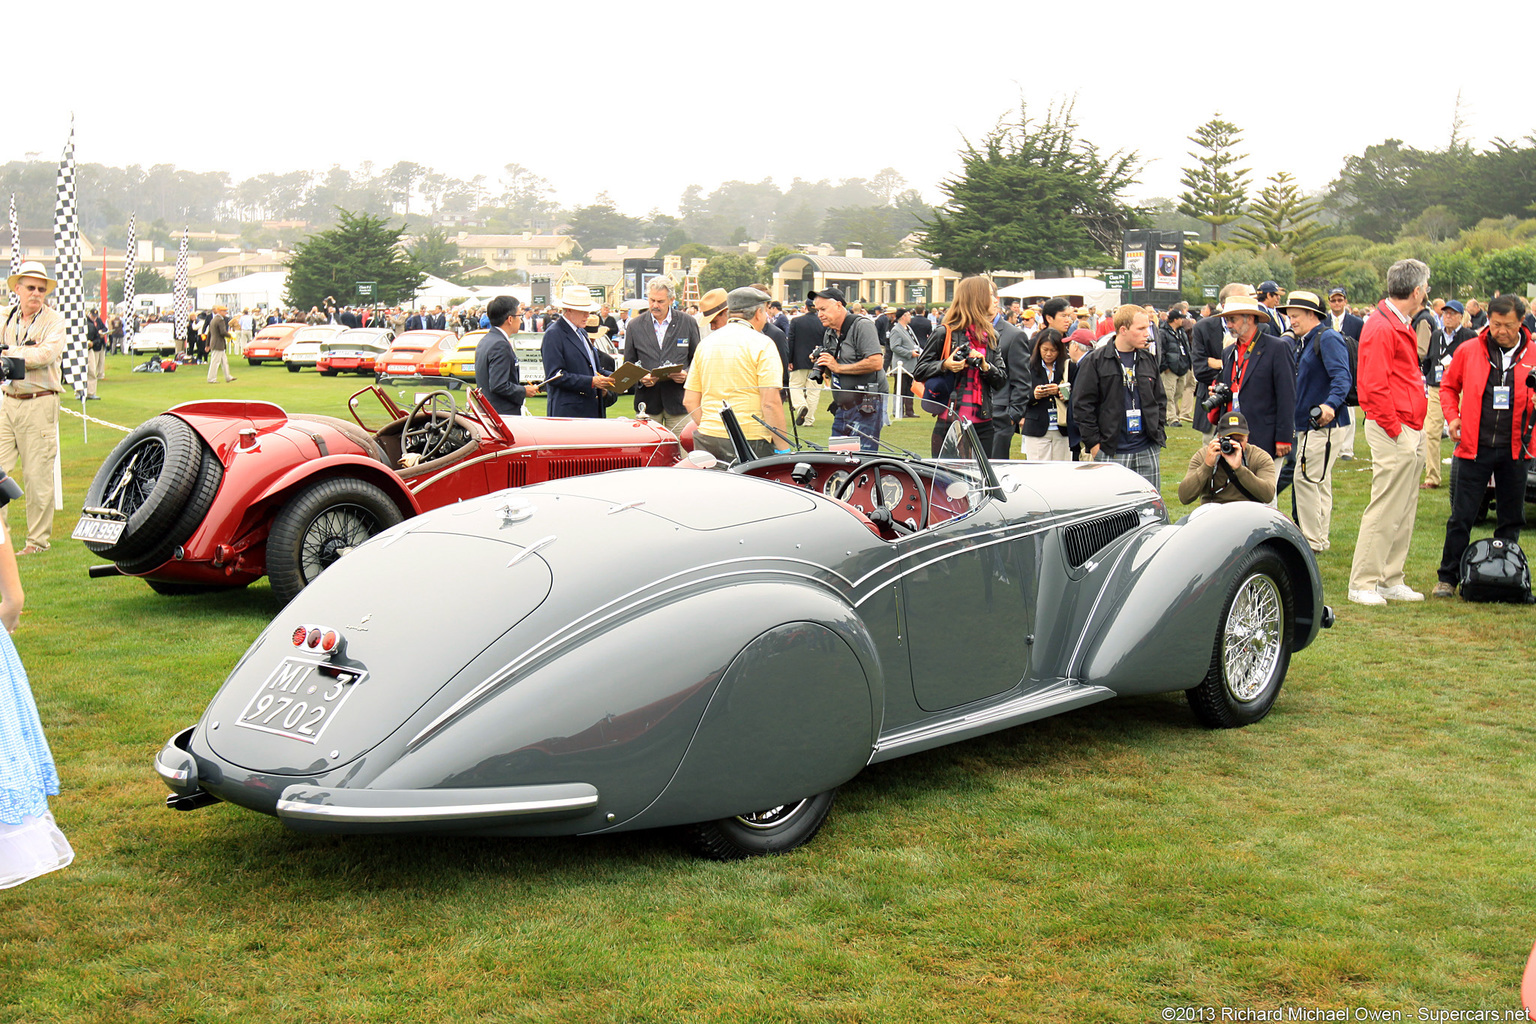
(436, 424)
(880, 515)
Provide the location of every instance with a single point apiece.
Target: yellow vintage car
(460, 362)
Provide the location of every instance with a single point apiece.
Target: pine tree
(360, 248)
(1217, 190)
(1285, 219)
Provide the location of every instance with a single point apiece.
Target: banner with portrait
(1165, 274)
(1136, 263)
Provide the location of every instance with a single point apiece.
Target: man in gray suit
(662, 336)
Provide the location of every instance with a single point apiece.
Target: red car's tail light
(324, 640)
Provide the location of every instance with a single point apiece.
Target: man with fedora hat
(712, 312)
(574, 376)
(1261, 374)
(740, 367)
(1322, 383)
(29, 411)
(1236, 471)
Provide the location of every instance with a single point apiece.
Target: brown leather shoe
(1427, 486)
(1443, 589)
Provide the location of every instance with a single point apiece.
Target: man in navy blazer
(1261, 372)
(417, 321)
(573, 377)
(1349, 325)
(496, 364)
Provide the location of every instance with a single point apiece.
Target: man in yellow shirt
(737, 365)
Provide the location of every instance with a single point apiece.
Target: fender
(356, 465)
(1142, 637)
(662, 744)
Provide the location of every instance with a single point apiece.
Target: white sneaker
(1366, 597)
(1401, 592)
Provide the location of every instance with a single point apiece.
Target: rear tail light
(318, 639)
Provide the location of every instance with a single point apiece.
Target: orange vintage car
(416, 353)
(269, 343)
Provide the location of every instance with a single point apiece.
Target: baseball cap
(1232, 423)
(831, 293)
(1458, 307)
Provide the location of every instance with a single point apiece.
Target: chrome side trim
(302, 802)
(1062, 692)
(542, 542)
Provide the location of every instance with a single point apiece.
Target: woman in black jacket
(964, 350)
(1046, 411)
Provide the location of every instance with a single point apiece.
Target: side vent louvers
(580, 465)
(1082, 540)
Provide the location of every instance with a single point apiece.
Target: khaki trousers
(1386, 527)
(1051, 447)
(95, 369)
(217, 361)
(1313, 484)
(29, 432)
(803, 392)
(1429, 451)
(237, 342)
(1181, 397)
(1346, 439)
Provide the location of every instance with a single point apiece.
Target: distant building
(902, 282)
(229, 266)
(487, 254)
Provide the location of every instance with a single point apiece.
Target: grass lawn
(1369, 845)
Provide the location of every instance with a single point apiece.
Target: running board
(1054, 699)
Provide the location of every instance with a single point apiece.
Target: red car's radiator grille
(582, 464)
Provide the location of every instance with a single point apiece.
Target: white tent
(1081, 291)
(434, 291)
(250, 291)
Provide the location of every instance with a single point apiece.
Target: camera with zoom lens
(1219, 395)
(818, 374)
(11, 367)
(1229, 446)
(1315, 417)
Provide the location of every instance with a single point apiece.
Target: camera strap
(1234, 481)
(1301, 459)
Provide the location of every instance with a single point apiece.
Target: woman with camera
(962, 355)
(1046, 409)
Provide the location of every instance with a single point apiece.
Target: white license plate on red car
(299, 699)
(105, 531)
(397, 368)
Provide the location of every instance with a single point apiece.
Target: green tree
(1286, 220)
(146, 281)
(1437, 223)
(691, 251)
(728, 270)
(1215, 189)
(361, 247)
(1453, 274)
(602, 226)
(435, 254)
(1032, 195)
(1508, 270)
(1232, 262)
(526, 198)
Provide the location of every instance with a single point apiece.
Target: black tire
(319, 525)
(254, 362)
(328, 373)
(149, 476)
(188, 589)
(292, 367)
(1253, 646)
(209, 475)
(776, 830)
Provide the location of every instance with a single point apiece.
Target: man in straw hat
(1262, 375)
(712, 312)
(1322, 383)
(29, 411)
(740, 367)
(574, 377)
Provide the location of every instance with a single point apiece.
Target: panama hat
(577, 297)
(1242, 304)
(31, 268)
(1307, 301)
(712, 303)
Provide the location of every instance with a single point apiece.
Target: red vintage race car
(219, 493)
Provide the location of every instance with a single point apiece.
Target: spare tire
(148, 478)
(209, 475)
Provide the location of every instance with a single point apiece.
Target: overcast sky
(599, 96)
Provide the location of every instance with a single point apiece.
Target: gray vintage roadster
(722, 650)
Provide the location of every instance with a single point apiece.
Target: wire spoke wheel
(332, 534)
(132, 480)
(1251, 640)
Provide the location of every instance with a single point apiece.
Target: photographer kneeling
(1229, 468)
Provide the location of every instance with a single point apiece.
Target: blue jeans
(844, 422)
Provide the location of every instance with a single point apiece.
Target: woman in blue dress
(30, 843)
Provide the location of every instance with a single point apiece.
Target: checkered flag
(15, 240)
(69, 296)
(179, 292)
(130, 270)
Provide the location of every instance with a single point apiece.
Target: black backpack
(1495, 570)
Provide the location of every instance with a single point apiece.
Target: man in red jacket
(1489, 408)
(1393, 399)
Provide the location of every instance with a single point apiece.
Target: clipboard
(630, 374)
